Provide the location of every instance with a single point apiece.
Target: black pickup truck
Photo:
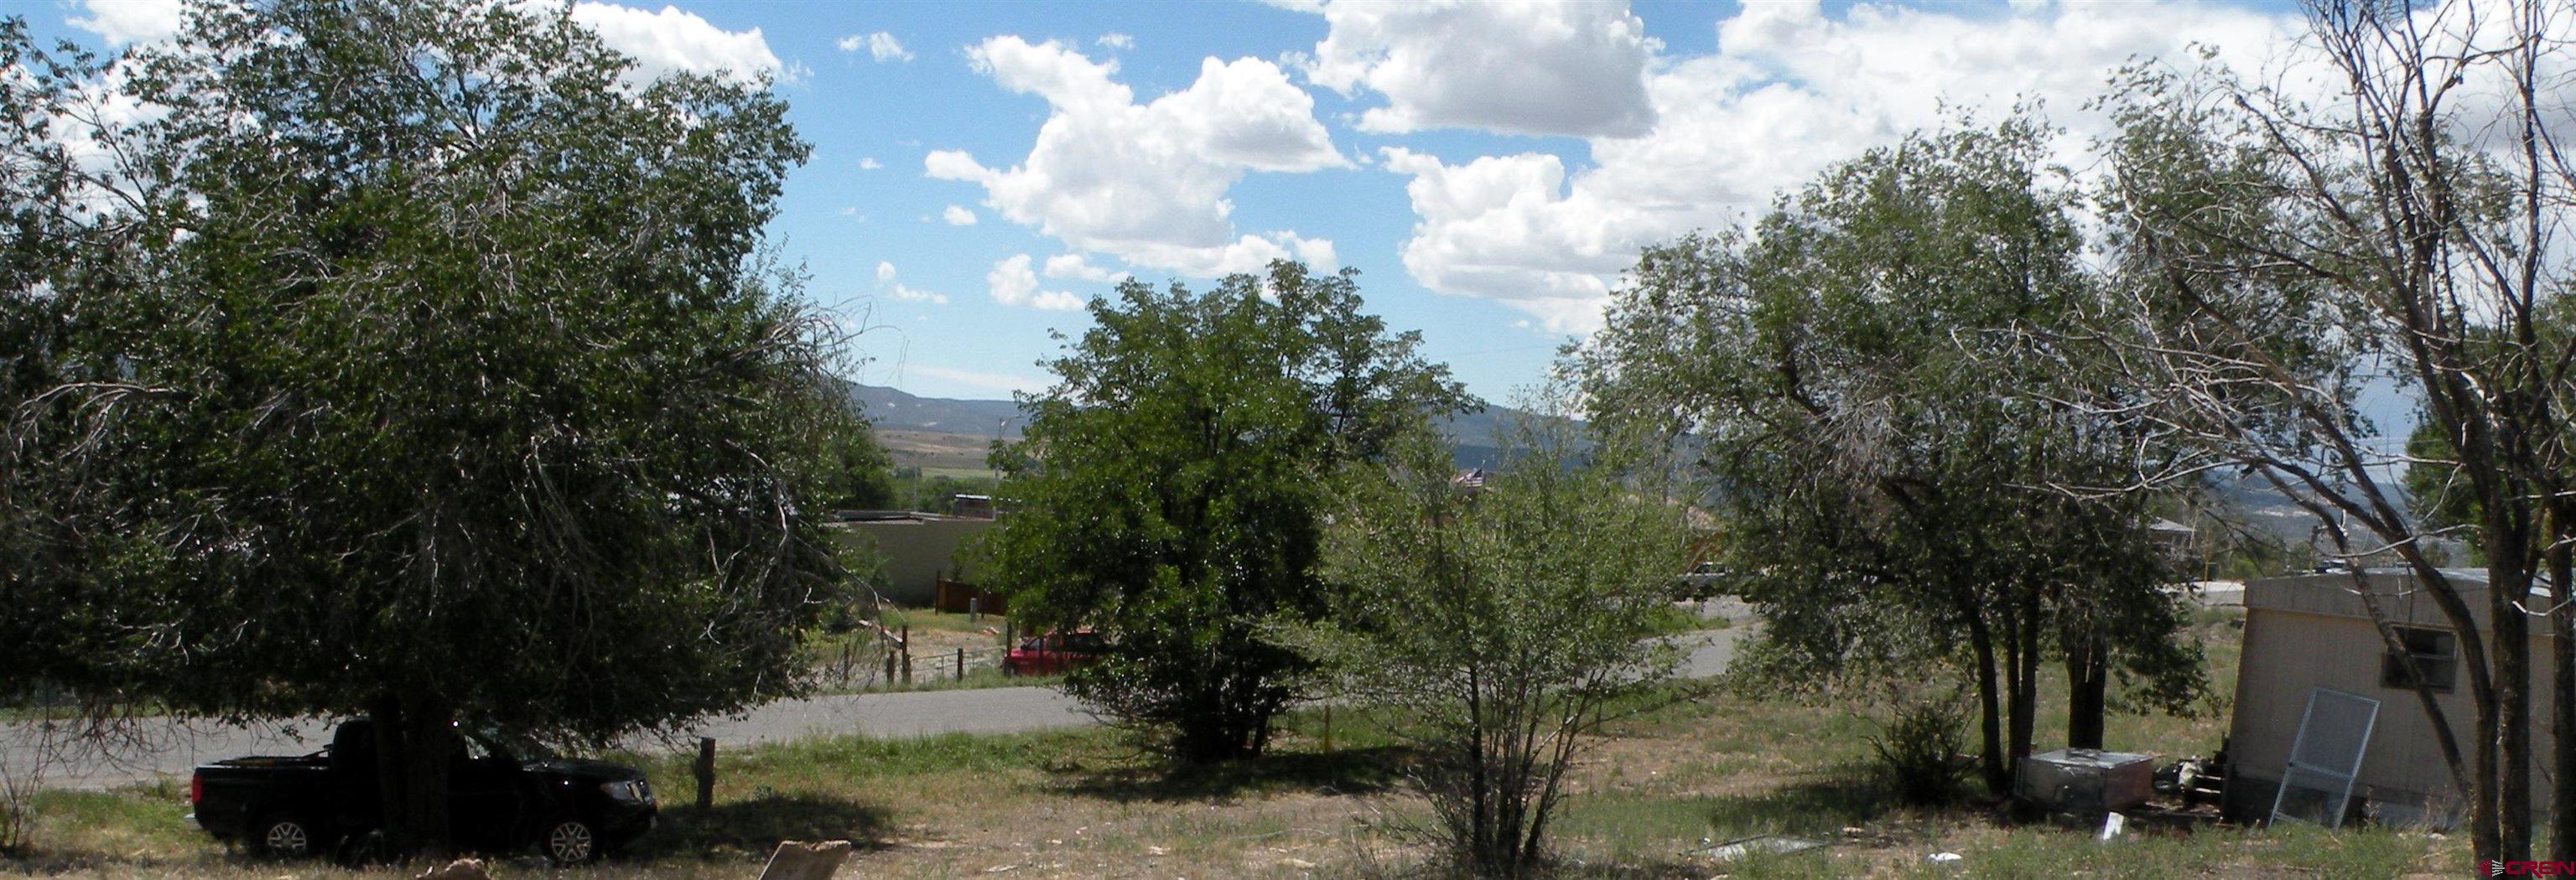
(288, 807)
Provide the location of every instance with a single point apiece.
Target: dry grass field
(938, 452)
(1085, 803)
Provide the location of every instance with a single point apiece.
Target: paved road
(172, 747)
(1710, 651)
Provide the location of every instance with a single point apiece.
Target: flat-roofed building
(916, 549)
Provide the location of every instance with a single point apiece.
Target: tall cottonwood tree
(1876, 376)
(44, 238)
(414, 360)
(2405, 221)
(1170, 490)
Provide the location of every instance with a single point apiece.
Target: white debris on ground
(1768, 844)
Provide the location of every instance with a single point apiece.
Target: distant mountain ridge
(1472, 439)
(891, 408)
(1472, 436)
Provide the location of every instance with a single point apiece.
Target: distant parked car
(1702, 581)
(290, 807)
(1053, 653)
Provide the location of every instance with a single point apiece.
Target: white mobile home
(2313, 655)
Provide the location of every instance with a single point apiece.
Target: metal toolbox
(2085, 780)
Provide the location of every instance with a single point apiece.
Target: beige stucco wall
(916, 552)
(2312, 632)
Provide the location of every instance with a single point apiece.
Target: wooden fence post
(961, 664)
(705, 771)
(907, 654)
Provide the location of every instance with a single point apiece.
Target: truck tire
(284, 836)
(569, 840)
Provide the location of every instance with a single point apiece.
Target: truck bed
(229, 795)
(272, 762)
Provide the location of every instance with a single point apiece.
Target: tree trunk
(2087, 692)
(2484, 839)
(2508, 588)
(387, 718)
(2025, 682)
(1989, 714)
(2562, 697)
(414, 743)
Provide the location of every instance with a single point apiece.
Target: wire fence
(873, 656)
(888, 665)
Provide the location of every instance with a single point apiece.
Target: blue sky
(1488, 167)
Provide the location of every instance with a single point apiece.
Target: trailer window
(2435, 654)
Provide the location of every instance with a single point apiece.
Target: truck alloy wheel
(570, 842)
(284, 837)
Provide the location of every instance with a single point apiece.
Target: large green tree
(1170, 490)
(861, 476)
(44, 524)
(414, 360)
(1876, 378)
(2283, 253)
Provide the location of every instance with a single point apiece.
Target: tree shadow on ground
(34, 861)
(1341, 772)
(1430, 863)
(756, 826)
(1822, 804)
(1660, 869)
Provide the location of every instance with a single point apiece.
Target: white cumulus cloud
(1791, 91)
(886, 282)
(869, 163)
(881, 46)
(957, 215)
(1552, 67)
(676, 41)
(1075, 266)
(1013, 284)
(1147, 183)
(1116, 40)
(1503, 227)
(660, 42)
(129, 21)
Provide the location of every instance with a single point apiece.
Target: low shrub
(1920, 751)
